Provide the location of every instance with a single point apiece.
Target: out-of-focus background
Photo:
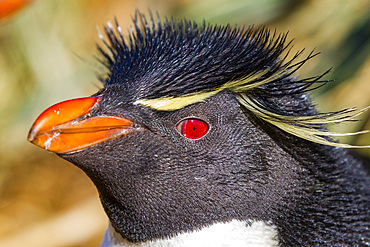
(47, 54)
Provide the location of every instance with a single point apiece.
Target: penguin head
(191, 127)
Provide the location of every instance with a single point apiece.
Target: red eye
(193, 128)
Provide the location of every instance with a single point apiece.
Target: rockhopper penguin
(203, 136)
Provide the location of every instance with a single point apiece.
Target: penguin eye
(192, 128)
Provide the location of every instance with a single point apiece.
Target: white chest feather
(233, 233)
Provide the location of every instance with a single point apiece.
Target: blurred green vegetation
(47, 55)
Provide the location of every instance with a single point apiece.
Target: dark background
(47, 54)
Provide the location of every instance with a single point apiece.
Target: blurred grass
(47, 55)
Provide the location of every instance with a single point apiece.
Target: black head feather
(179, 57)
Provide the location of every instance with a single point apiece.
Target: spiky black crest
(179, 57)
(167, 65)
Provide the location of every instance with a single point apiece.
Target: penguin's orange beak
(67, 127)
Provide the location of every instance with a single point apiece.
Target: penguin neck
(327, 173)
(232, 233)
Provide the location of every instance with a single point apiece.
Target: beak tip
(31, 136)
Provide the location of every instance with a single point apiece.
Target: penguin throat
(232, 233)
